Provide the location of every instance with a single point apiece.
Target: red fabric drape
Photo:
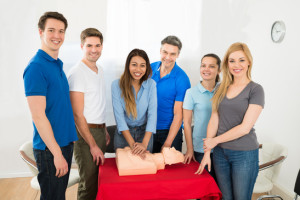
(174, 182)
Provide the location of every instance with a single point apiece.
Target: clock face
(278, 31)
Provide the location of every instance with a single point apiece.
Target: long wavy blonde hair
(126, 79)
(227, 76)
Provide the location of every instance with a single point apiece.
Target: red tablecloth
(174, 182)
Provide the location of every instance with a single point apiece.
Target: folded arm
(238, 131)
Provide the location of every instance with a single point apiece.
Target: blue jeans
(199, 156)
(160, 138)
(137, 134)
(236, 172)
(52, 187)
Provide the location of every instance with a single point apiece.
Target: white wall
(203, 26)
(19, 41)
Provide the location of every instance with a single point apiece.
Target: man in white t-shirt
(87, 93)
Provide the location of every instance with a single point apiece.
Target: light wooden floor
(20, 189)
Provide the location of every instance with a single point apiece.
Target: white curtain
(144, 23)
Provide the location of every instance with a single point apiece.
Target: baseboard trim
(282, 191)
(15, 175)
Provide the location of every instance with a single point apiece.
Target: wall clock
(278, 31)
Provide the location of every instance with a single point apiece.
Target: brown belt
(96, 125)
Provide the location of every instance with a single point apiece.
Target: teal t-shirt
(198, 99)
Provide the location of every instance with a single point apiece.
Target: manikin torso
(129, 164)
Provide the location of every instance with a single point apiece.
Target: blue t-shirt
(198, 99)
(146, 107)
(44, 76)
(170, 88)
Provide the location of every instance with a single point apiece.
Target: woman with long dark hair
(135, 104)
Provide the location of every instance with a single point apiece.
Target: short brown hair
(53, 15)
(91, 32)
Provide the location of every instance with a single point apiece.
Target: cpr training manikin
(129, 164)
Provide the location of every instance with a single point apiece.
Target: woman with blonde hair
(236, 106)
(135, 104)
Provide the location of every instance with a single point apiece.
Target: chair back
(272, 152)
(297, 184)
(26, 153)
(111, 131)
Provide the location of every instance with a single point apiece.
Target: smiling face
(137, 68)
(209, 69)
(52, 37)
(168, 55)
(92, 49)
(238, 64)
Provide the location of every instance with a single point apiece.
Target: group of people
(152, 103)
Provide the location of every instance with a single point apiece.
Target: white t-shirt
(82, 79)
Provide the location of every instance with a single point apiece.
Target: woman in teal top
(197, 105)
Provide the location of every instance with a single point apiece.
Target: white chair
(271, 156)
(296, 190)
(26, 152)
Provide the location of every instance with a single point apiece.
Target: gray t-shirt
(231, 113)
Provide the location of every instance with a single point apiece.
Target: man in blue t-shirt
(172, 83)
(47, 92)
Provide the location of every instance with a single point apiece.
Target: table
(174, 182)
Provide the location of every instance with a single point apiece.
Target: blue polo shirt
(146, 106)
(44, 76)
(170, 88)
(198, 99)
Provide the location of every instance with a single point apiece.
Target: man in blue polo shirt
(47, 92)
(172, 83)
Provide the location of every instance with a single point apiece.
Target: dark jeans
(52, 187)
(236, 172)
(160, 138)
(199, 156)
(137, 133)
